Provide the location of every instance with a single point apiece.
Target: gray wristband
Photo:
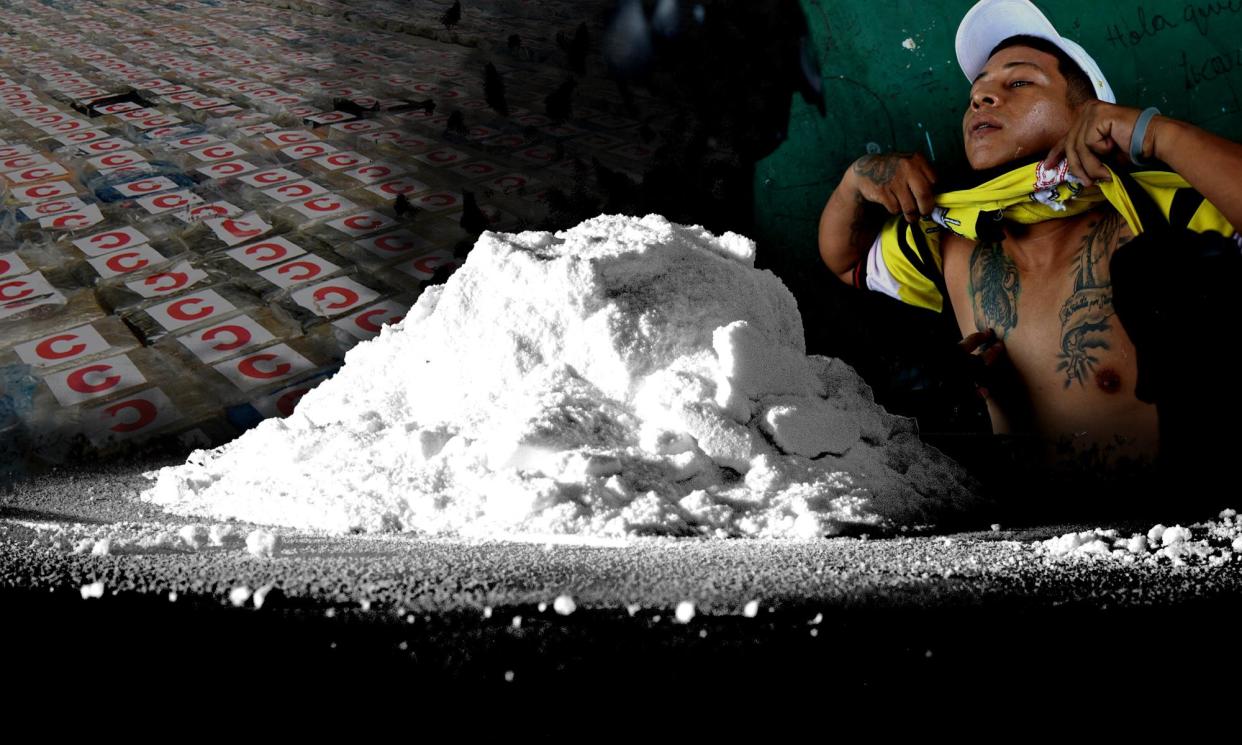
(1140, 132)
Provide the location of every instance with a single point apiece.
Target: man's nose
(983, 97)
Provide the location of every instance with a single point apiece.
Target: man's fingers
(993, 353)
(1076, 167)
(1092, 163)
(889, 200)
(909, 207)
(921, 189)
(1054, 155)
(971, 342)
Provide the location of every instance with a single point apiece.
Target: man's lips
(983, 126)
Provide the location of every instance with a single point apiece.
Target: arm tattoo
(1085, 314)
(880, 168)
(993, 288)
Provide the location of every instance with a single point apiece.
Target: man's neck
(1046, 243)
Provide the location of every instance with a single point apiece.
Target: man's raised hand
(1099, 130)
(901, 182)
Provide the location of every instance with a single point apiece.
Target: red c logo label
(275, 251)
(178, 279)
(177, 309)
(47, 352)
(312, 270)
(362, 222)
(239, 229)
(364, 320)
(116, 238)
(4, 293)
(322, 204)
(428, 264)
(168, 201)
(392, 243)
(146, 414)
(65, 221)
(43, 190)
(348, 297)
(249, 367)
(77, 379)
(241, 337)
(117, 263)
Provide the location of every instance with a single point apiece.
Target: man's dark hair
(1078, 88)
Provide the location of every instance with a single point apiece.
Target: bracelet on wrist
(1139, 134)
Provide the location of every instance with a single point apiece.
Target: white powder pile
(1211, 543)
(627, 376)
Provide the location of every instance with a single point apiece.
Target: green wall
(891, 82)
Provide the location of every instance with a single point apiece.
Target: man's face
(1018, 108)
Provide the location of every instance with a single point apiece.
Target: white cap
(992, 21)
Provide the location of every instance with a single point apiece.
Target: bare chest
(1053, 308)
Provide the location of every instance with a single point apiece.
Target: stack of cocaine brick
(207, 204)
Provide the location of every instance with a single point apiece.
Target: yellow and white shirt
(905, 261)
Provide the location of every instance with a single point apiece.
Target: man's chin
(974, 175)
(991, 164)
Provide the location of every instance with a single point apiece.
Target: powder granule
(685, 611)
(564, 605)
(262, 543)
(627, 376)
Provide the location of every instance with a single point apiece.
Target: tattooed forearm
(993, 287)
(880, 168)
(1086, 314)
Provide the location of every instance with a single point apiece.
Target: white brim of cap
(990, 22)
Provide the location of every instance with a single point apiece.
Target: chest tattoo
(993, 288)
(1086, 315)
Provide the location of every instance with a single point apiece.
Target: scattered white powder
(1213, 543)
(564, 605)
(909, 44)
(627, 376)
(194, 536)
(752, 609)
(93, 590)
(263, 543)
(223, 535)
(1175, 534)
(239, 595)
(685, 611)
